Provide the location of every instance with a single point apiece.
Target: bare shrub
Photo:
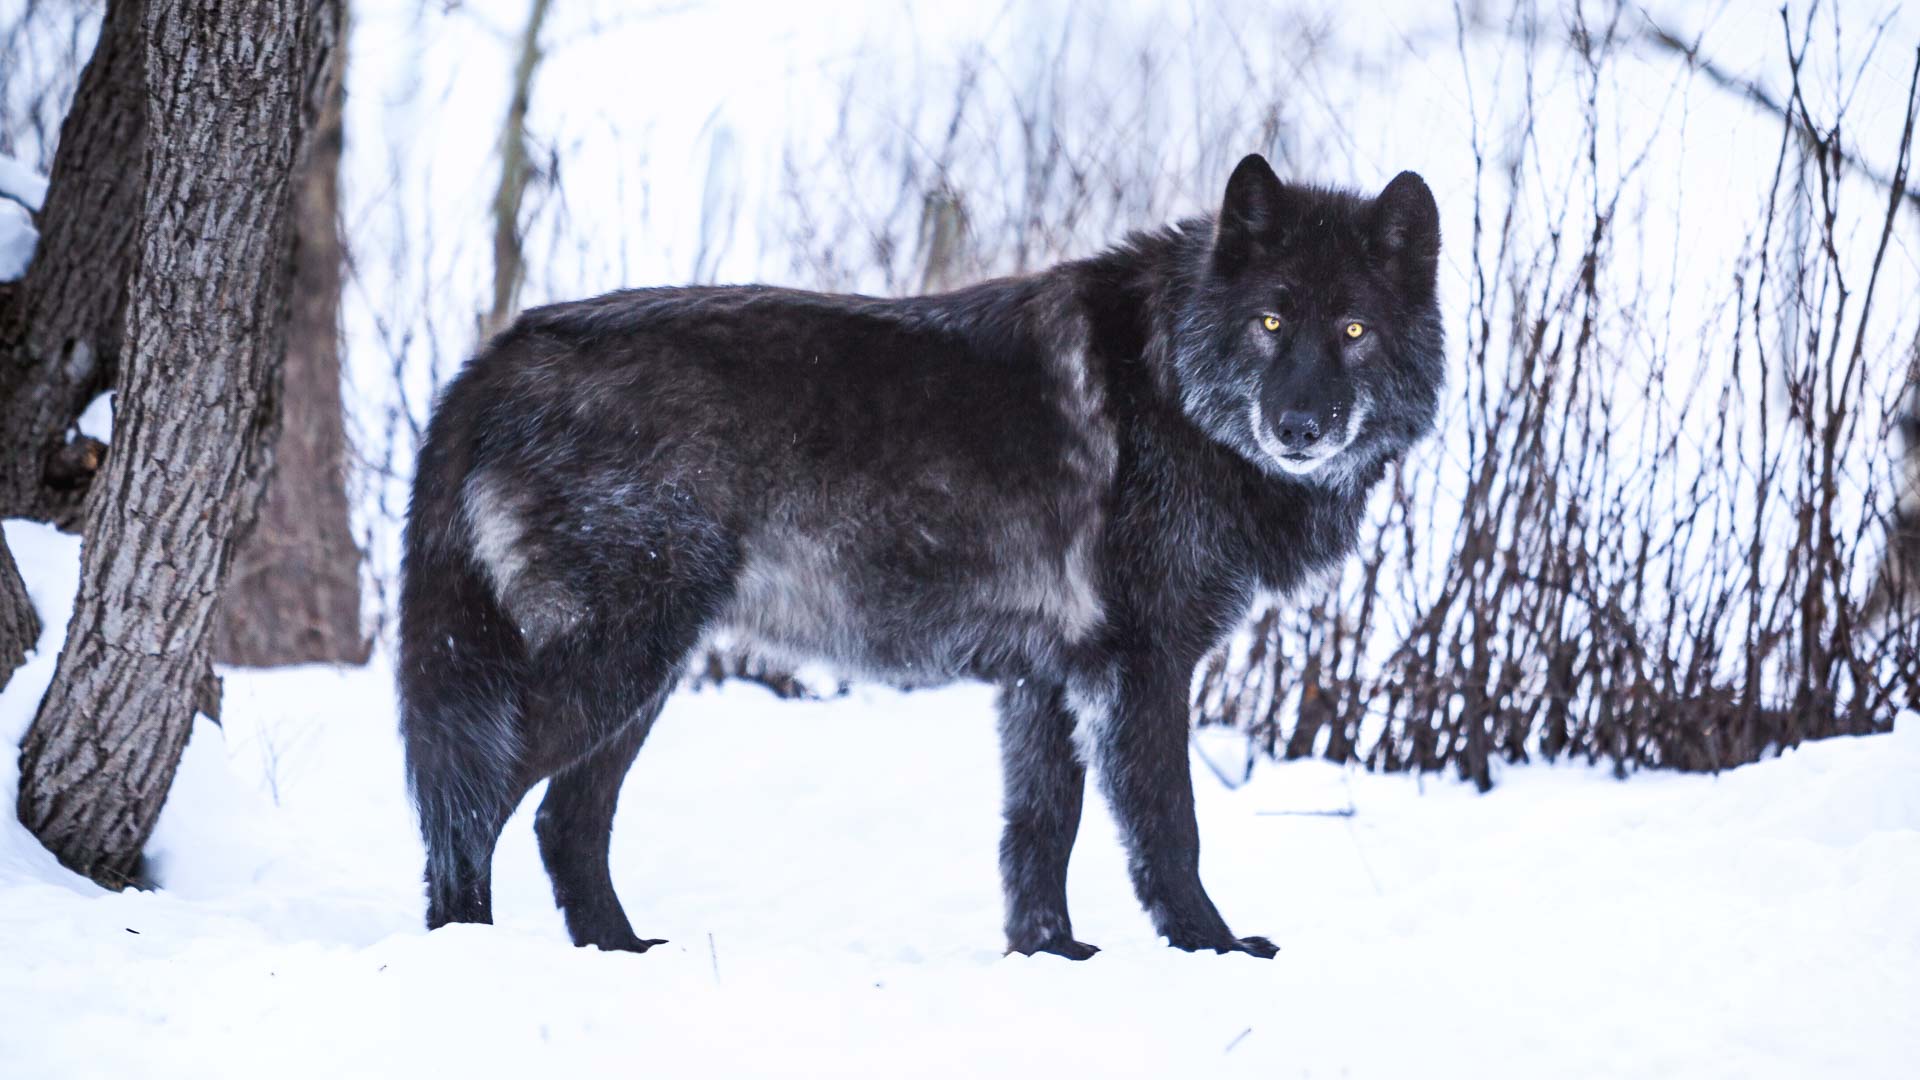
(1617, 587)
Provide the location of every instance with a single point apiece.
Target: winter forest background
(1672, 520)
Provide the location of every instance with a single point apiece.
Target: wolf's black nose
(1297, 430)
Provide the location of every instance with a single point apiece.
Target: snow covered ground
(825, 875)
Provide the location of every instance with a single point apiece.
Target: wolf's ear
(1249, 212)
(1406, 231)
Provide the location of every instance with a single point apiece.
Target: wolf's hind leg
(1045, 783)
(460, 864)
(594, 695)
(460, 678)
(575, 826)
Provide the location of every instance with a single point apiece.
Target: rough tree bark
(205, 333)
(294, 594)
(19, 625)
(61, 324)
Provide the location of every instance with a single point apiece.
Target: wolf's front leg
(1142, 748)
(1045, 784)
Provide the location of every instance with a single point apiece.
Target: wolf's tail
(462, 675)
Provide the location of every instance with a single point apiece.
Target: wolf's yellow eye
(1354, 329)
(1271, 322)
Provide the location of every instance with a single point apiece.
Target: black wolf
(1072, 483)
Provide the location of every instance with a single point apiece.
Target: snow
(825, 873)
(18, 239)
(96, 420)
(21, 190)
(20, 184)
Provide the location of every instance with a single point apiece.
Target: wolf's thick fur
(1072, 484)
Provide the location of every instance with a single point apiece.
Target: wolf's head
(1312, 342)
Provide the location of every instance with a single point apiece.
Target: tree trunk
(943, 241)
(61, 325)
(206, 330)
(294, 594)
(516, 171)
(19, 625)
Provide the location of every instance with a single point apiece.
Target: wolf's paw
(627, 942)
(1067, 947)
(1252, 946)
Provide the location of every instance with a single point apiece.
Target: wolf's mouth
(1302, 464)
(1294, 462)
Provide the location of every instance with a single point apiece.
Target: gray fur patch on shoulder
(1059, 590)
(1093, 458)
(1081, 399)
